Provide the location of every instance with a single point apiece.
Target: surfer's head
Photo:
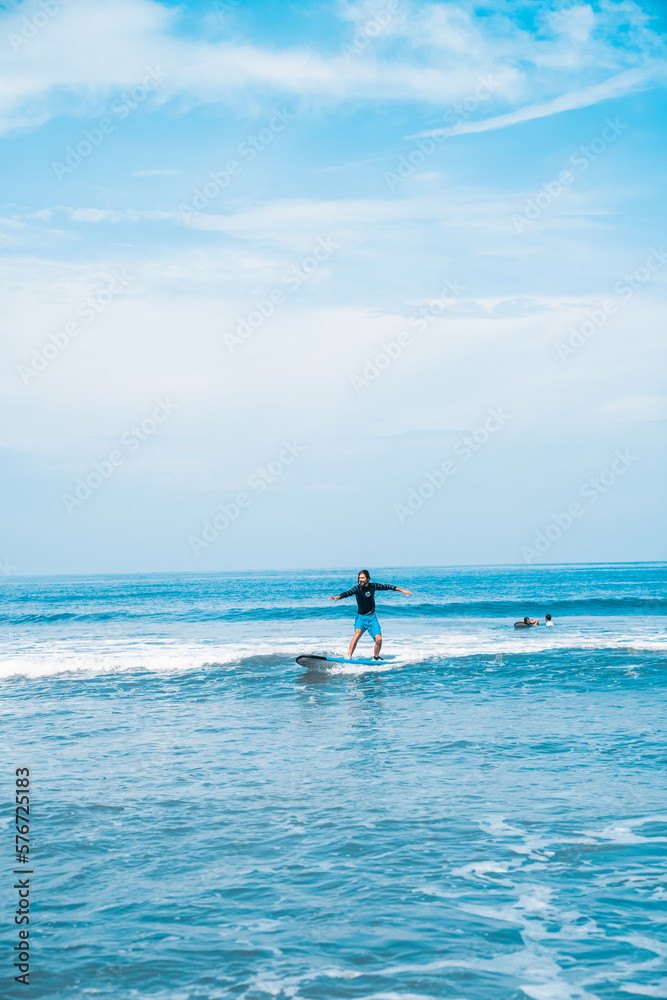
(363, 577)
(548, 618)
(526, 619)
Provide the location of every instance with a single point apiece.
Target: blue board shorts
(368, 623)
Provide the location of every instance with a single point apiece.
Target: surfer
(366, 619)
(527, 623)
(547, 620)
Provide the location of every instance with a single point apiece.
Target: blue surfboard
(321, 662)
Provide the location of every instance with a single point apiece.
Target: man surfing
(366, 619)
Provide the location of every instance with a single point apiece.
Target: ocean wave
(598, 606)
(493, 649)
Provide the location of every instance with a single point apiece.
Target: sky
(329, 284)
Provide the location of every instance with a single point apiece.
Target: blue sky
(472, 195)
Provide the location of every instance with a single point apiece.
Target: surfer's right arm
(348, 593)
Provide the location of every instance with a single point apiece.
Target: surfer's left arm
(390, 586)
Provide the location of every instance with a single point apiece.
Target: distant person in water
(527, 622)
(366, 620)
(547, 620)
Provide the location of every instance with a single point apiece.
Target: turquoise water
(483, 816)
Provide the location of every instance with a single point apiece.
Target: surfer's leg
(353, 645)
(378, 645)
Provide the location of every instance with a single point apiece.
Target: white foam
(556, 990)
(621, 832)
(647, 944)
(532, 963)
(658, 989)
(107, 657)
(47, 656)
(398, 996)
(532, 845)
(478, 869)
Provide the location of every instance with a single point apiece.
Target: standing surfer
(366, 619)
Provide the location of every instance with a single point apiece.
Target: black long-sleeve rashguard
(366, 595)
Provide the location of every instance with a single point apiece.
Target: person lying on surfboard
(527, 623)
(366, 620)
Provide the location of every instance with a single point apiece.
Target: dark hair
(549, 618)
(526, 619)
(365, 572)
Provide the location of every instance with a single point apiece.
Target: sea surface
(481, 817)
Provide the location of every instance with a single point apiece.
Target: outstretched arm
(348, 593)
(390, 586)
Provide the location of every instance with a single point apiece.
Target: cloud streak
(616, 86)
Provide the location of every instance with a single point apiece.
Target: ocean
(481, 817)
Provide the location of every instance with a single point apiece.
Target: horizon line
(339, 569)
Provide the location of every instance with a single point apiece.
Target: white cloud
(155, 173)
(95, 49)
(294, 224)
(111, 215)
(91, 215)
(13, 223)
